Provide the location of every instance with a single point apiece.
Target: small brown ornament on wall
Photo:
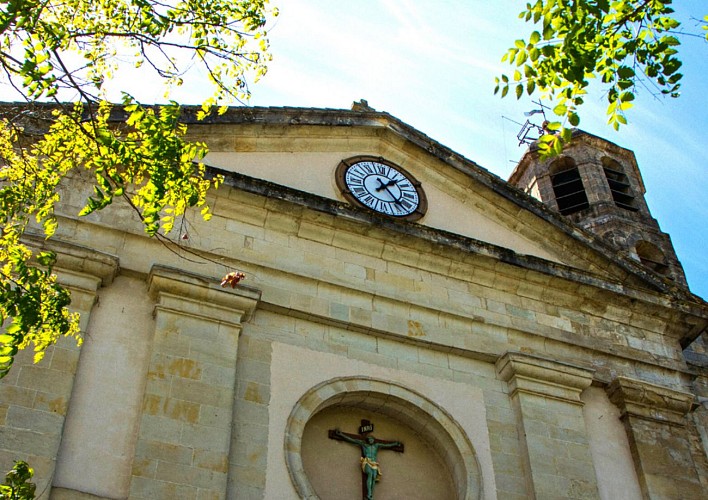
(382, 186)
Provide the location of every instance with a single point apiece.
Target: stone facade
(515, 354)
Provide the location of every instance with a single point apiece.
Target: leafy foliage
(50, 49)
(617, 41)
(17, 485)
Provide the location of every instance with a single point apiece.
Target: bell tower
(597, 185)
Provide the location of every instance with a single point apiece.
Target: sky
(432, 63)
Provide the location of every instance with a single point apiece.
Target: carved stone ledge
(201, 296)
(649, 401)
(544, 377)
(77, 266)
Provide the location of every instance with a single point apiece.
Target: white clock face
(382, 188)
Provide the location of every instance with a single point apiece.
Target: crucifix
(370, 446)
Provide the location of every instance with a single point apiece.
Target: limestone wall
(531, 379)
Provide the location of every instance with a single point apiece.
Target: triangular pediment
(300, 149)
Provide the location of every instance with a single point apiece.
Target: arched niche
(652, 257)
(400, 410)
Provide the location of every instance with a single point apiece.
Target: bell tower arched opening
(568, 187)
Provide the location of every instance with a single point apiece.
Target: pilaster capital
(544, 377)
(77, 267)
(649, 401)
(197, 295)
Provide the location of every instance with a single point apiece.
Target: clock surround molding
(345, 165)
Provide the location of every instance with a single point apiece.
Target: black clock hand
(390, 183)
(385, 186)
(381, 185)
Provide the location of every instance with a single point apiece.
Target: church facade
(410, 326)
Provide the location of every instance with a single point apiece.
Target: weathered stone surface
(546, 398)
(492, 295)
(655, 419)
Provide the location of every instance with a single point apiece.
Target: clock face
(381, 186)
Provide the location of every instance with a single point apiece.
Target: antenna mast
(528, 127)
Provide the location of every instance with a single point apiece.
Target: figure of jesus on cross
(369, 453)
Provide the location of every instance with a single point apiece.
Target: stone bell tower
(598, 186)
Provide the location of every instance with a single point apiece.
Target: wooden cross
(370, 447)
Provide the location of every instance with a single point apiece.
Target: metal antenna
(529, 129)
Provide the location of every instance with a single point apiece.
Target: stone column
(546, 397)
(185, 430)
(34, 398)
(655, 418)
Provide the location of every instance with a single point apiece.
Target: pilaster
(185, 429)
(35, 397)
(654, 419)
(546, 397)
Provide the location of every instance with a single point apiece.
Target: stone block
(19, 417)
(425, 369)
(20, 396)
(164, 366)
(433, 357)
(143, 467)
(156, 450)
(200, 393)
(218, 353)
(219, 376)
(316, 232)
(162, 429)
(174, 409)
(236, 227)
(64, 360)
(352, 339)
(212, 461)
(255, 348)
(69, 494)
(205, 438)
(192, 476)
(39, 377)
(394, 349)
(252, 370)
(372, 357)
(248, 476)
(151, 489)
(24, 441)
(51, 403)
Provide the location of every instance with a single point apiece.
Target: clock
(381, 186)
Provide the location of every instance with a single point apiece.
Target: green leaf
(148, 155)
(557, 146)
(560, 109)
(625, 72)
(611, 41)
(566, 135)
